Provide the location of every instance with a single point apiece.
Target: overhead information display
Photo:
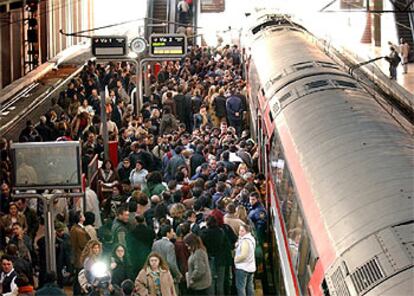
(212, 6)
(168, 45)
(114, 46)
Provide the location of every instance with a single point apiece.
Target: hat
(59, 226)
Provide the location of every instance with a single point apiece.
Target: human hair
(165, 229)
(121, 210)
(89, 218)
(163, 264)
(183, 229)
(246, 227)
(241, 213)
(194, 242)
(50, 277)
(211, 222)
(116, 247)
(177, 210)
(87, 250)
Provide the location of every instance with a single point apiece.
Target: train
(339, 169)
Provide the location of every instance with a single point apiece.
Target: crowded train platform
(223, 148)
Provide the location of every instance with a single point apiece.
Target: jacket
(145, 285)
(78, 237)
(199, 274)
(166, 249)
(168, 124)
(153, 189)
(139, 243)
(219, 104)
(138, 177)
(233, 106)
(50, 290)
(245, 253)
(119, 232)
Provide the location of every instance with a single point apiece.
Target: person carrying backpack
(394, 59)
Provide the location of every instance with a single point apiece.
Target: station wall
(51, 16)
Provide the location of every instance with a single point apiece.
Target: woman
(74, 106)
(138, 176)
(90, 255)
(245, 262)
(106, 174)
(198, 276)
(85, 107)
(242, 169)
(119, 265)
(241, 214)
(155, 279)
(11, 218)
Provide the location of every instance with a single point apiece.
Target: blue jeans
(244, 281)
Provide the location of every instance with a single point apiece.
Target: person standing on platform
(234, 109)
(7, 276)
(404, 51)
(245, 262)
(394, 59)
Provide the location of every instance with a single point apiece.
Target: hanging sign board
(113, 46)
(212, 6)
(168, 45)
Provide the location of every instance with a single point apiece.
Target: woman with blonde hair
(242, 169)
(90, 255)
(241, 214)
(155, 279)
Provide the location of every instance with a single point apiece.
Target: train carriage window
(346, 84)
(316, 84)
(300, 248)
(285, 97)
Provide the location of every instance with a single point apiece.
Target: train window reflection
(303, 259)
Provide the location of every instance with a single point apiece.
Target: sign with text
(168, 45)
(109, 46)
(212, 5)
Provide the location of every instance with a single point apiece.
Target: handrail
(411, 16)
(149, 17)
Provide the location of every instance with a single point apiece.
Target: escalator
(404, 22)
(158, 16)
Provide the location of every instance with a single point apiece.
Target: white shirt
(13, 285)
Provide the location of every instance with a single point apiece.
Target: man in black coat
(139, 244)
(197, 159)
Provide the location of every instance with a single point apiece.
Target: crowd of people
(181, 213)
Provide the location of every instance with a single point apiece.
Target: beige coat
(145, 286)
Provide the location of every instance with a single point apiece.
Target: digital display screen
(103, 46)
(168, 45)
(47, 165)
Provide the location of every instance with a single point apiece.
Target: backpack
(397, 60)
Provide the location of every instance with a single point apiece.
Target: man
(22, 241)
(63, 254)
(139, 243)
(404, 51)
(197, 159)
(78, 237)
(122, 94)
(166, 249)
(31, 217)
(50, 288)
(394, 59)
(234, 109)
(176, 161)
(124, 169)
(257, 214)
(120, 226)
(7, 276)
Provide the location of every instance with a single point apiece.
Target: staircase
(403, 23)
(160, 12)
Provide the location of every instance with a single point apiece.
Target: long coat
(145, 286)
(78, 237)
